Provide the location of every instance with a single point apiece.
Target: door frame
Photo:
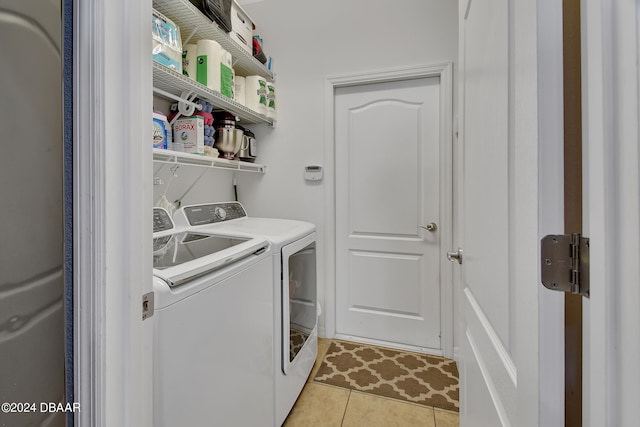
(112, 200)
(445, 72)
(611, 209)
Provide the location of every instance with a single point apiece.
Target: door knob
(432, 226)
(457, 256)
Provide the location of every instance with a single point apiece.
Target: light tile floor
(327, 406)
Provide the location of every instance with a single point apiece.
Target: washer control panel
(221, 213)
(212, 213)
(161, 220)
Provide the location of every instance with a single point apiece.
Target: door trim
(88, 219)
(112, 202)
(445, 72)
(611, 207)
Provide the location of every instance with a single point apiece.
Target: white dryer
(213, 343)
(295, 288)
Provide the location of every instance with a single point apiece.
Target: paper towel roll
(256, 94)
(271, 100)
(226, 74)
(239, 92)
(189, 60)
(209, 55)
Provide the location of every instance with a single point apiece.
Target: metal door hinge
(565, 263)
(147, 305)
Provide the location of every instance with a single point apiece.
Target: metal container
(248, 150)
(228, 141)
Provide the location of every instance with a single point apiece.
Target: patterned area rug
(296, 341)
(414, 377)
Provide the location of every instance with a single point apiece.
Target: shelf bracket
(186, 106)
(179, 199)
(195, 29)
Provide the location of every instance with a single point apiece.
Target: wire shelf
(175, 157)
(169, 80)
(195, 26)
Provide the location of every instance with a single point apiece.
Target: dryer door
(299, 298)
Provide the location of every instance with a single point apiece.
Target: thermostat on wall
(313, 173)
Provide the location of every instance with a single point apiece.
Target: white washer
(295, 289)
(213, 335)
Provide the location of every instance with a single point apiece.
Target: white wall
(310, 41)
(212, 185)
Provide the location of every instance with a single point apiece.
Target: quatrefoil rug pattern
(413, 377)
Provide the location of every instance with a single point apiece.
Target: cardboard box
(188, 135)
(241, 28)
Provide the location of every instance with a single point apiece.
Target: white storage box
(241, 27)
(188, 135)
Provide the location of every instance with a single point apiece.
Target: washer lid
(183, 256)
